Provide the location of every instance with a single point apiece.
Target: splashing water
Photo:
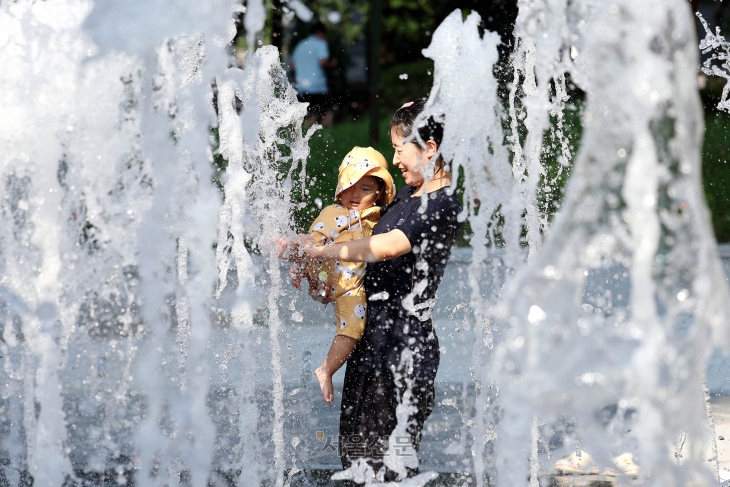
(272, 118)
(400, 457)
(538, 61)
(631, 256)
(362, 473)
(94, 217)
(624, 302)
(720, 49)
(473, 140)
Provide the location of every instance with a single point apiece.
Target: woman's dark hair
(405, 117)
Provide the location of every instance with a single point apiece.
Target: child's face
(361, 195)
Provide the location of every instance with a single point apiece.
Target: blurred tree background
(406, 27)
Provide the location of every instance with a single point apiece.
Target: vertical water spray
(630, 258)
(107, 232)
(47, 208)
(537, 92)
(182, 309)
(266, 144)
(122, 154)
(182, 448)
(539, 65)
(231, 240)
(465, 99)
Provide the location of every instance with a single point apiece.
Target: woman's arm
(292, 250)
(377, 248)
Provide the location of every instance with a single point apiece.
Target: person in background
(309, 60)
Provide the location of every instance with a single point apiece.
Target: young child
(363, 186)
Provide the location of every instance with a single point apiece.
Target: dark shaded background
(406, 27)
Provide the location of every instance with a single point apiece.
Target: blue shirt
(308, 73)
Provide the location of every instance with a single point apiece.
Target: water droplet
(536, 314)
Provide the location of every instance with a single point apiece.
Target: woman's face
(410, 158)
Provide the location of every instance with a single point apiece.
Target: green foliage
(407, 28)
(404, 82)
(557, 170)
(716, 171)
(409, 24)
(353, 22)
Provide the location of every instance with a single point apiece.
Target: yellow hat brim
(365, 161)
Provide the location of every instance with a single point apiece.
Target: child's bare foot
(325, 383)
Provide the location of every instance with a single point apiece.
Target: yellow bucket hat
(364, 161)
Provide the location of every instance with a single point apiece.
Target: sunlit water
(148, 331)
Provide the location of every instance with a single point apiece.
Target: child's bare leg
(341, 348)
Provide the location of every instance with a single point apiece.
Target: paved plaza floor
(445, 446)
(721, 416)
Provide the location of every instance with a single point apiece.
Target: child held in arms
(364, 185)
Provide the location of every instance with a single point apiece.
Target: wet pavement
(721, 416)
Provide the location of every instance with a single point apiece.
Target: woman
(397, 358)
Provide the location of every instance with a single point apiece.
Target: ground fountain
(148, 337)
(632, 245)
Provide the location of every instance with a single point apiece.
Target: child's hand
(296, 273)
(319, 291)
(283, 247)
(290, 250)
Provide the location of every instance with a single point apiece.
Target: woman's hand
(300, 249)
(283, 247)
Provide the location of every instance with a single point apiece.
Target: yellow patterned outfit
(336, 224)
